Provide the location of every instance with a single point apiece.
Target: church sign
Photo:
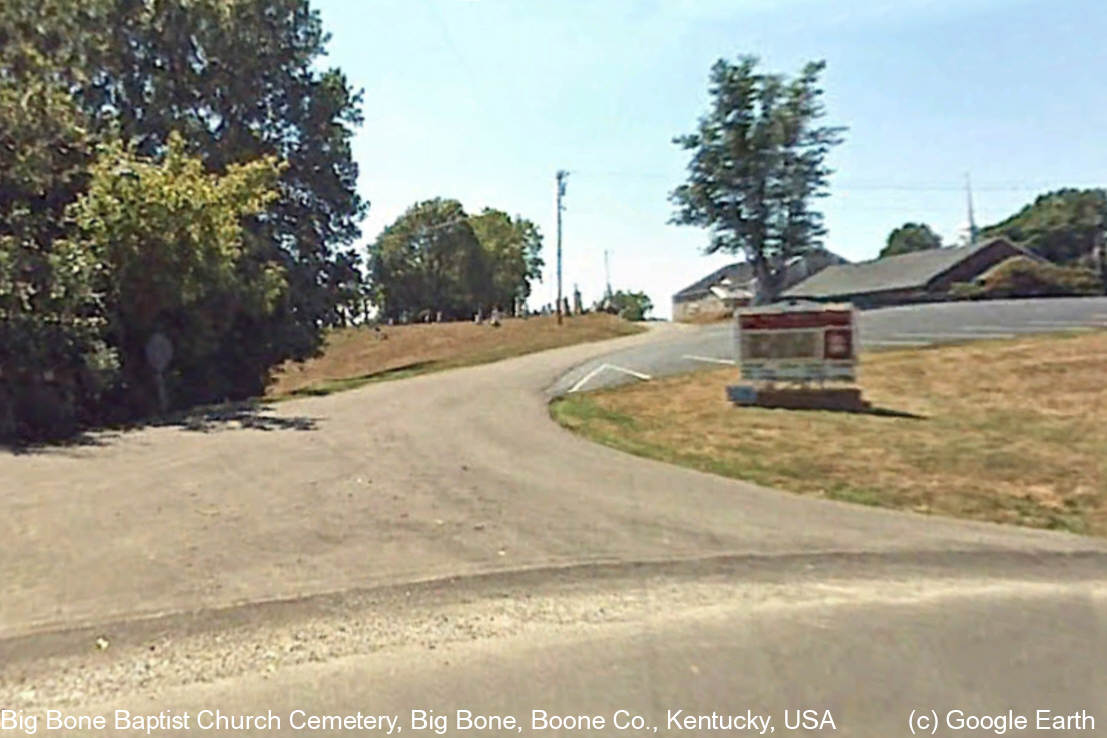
(797, 344)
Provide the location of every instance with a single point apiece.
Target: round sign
(159, 351)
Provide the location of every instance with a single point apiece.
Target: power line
(871, 187)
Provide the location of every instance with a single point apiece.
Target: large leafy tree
(239, 79)
(53, 359)
(911, 237)
(429, 261)
(513, 247)
(757, 162)
(176, 258)
(1062, 226)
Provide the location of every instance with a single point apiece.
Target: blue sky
(483, 100)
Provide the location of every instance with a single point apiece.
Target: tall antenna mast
(972, 220)
(607, 272)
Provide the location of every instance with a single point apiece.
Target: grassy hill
(355, 356)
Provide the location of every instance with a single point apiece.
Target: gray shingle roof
(741, 273)
(907, 271)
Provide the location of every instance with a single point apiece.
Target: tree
(757, 163)
(630, 305)
(1062, 226)
(513, 247)
(428, 261)
(176, 258)
(911, 237)
(239, 80)
(53, 359)
(350, 288)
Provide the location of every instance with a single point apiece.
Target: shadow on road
(245, 415)
(250, 415)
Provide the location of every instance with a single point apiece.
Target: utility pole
(1100, 253)
(972, 220)
(561, 175)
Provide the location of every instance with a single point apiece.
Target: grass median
(1005, 431)
(356, 356)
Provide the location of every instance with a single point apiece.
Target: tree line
(1065, 227)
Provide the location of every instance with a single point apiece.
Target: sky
(484, 100)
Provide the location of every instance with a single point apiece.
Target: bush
(631, 305)
(1022, 276)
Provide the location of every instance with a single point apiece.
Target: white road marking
(631, 372)
(940, 336)
(990, 328)
(1072, 324)
(584, 380)
(588, 377)
(709, 359)
(894, 342)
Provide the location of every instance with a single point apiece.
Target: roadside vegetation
(356, 356)
(157, 180)
(1022, 276)
(1002, 431)
(180, 173)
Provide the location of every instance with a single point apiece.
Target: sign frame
(797, 343)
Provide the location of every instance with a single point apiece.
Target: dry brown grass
(354, 356)
(1012, 431)
(707, 317)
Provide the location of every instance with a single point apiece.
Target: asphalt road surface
(439, 543)
(888, 328)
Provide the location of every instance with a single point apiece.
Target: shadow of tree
(231, 416)
(248, 415)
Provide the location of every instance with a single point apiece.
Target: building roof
(727, 291)
(740, 274)
(907, 271)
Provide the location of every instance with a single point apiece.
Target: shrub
(1022, 276)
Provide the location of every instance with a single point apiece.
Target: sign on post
(159, 352)
(797, 344)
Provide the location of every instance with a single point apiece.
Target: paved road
(859, 650)
(281, 555)
(889, 328)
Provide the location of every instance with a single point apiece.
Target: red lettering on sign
(784, 321)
